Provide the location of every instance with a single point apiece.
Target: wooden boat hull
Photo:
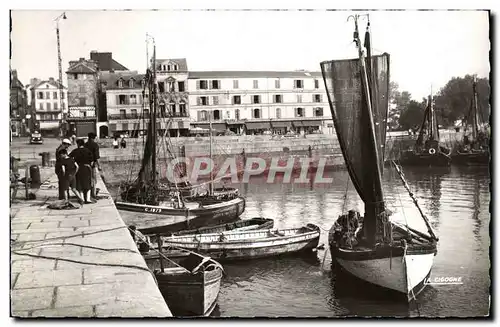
(258, 245)
(411, 158)
(187, 294)
(388, 267)
(156, 219)
(246, 224)
(471, 158)
(190, 285)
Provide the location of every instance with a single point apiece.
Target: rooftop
(253, 74)
(105, 61)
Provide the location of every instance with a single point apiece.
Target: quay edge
(43, 287)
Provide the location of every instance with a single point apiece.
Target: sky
(427, 48)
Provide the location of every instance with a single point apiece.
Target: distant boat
(428, 151)
(190, 285)
(373, 248)
(474, 147)
(243, 245)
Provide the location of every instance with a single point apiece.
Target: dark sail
(346, 97)
(420, 138)
(434, 132)
(429, 125)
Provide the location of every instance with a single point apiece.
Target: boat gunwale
(181, 210)
(171, 239)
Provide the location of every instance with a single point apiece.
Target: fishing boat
(428, 151)
(149, 205)
(374, 248)
(243, 245)
(474, 148)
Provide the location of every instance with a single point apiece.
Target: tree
(412, 115)
(453, 100)
(398, 102)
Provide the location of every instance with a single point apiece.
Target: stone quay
(77, 263)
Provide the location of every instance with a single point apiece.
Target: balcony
(45, 111)
(147, 116)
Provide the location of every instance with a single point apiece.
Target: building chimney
(34, 81)
(82, 59)
(51, 79)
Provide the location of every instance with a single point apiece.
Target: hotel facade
(237, 102)
(255, 102)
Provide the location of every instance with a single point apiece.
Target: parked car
(36, 138)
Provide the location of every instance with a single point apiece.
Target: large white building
(253, 102)
(244, 102)
(47, 103)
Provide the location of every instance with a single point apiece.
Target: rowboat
(243, 245)
(189, 285)
(239, 225)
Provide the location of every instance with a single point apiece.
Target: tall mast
(366, 88)
(432, 116)
(475, 126)
(211, 186)
(153, 117)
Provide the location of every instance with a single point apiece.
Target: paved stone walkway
(95, 234)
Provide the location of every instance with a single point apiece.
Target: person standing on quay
(69, 169)
(94, 149)
(83, 157)
(63, 146)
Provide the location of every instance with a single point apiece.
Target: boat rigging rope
(79, 245)
(83, 234)
(83, 262)
(155, 250)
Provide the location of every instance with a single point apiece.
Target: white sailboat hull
(405, 275)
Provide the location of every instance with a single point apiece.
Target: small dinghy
(190, 284)
(244, 245)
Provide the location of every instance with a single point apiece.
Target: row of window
(48, 117)
(256, 113)
(46, 95)
(80, 77)
(169, 67)
(49, 106)
(216, 84)
(168, 86)
(126, 99)
(255, 99)
(170, 110)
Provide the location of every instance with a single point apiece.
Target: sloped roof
(181, 62)
(111, 79)
(53, 83)
(105, 61)
(254, 74)
(14, 81)
(82, 68)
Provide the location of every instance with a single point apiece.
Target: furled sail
(350, 116)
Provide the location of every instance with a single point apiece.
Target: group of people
(76, 170)
(122, 144)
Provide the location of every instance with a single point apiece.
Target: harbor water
(456, 201)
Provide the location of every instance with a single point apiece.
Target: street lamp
(59, 62)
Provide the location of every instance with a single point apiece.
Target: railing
(147, 116)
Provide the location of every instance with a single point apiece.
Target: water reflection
(456, 201)
(364, 301)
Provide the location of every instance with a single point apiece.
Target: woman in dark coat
(83, 157)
